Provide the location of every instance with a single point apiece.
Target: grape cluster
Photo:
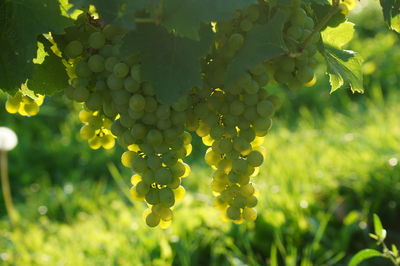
(23, 104)
(96, 129)
(119, 104)
(233, 123)
(297, 68)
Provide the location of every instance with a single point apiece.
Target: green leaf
(22, 22)
(186, 16)
(379, 231)
(338, 36)
(48, 77)
(344, 69)
(363, 255)
(117, 12)
(262, 43)
(391, 13)
(170, 63)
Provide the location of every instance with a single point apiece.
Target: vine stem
(5, 185)
(334, 9)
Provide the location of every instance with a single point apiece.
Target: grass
(322, 179)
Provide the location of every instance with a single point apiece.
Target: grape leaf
(363, 255)
(170, 63)
(186, 16)
(263, 42)
(391, 13)
(50, 76)
(338, 36)
(344, 68)
(117, 12)
(22, 22)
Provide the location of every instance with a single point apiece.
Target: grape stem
(334, 9)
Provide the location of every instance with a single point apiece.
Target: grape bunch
(96, 129)
(24, 104)
(296, 69)
(119, 104)
(233, 126)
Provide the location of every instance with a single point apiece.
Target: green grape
(167, 197)
(137, 102)
(163, 176)
(96, 63)
(249, 214)
(163, 111)
(135, 73)
(81, 94)
(163, 212)
(117, 129)
(305, 74)
(87, 132)
(148, 177)
(131, 85)
(114, 82)
(236, 107)
(31, 109)
(218, 186)
(287, 64)
(94, 102)
(150, 105)
(152, 220)
(239, 201)
(82, 69)
(211, 157)
(265, 109)
(139, 164)
(233, 213)
(94, 143)
(262, 126)
(97, 40)
(295, 32)
(252, 201)
(154, 162)
(298, 17)
(241, 145)
(110, 63)
(121, 70)
(247, 190)
(282, 77)
(108, 142)
(178, 169)
(170, 158)
(248, 134)
(106, 51)
(154, 137)
(153, 196)
(142, 188)
(74, 49)
(255, 158)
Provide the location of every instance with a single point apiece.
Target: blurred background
(333, 161)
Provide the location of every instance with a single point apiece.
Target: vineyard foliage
(148, 72)
(172, 34)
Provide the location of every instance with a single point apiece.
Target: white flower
(8, 139)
